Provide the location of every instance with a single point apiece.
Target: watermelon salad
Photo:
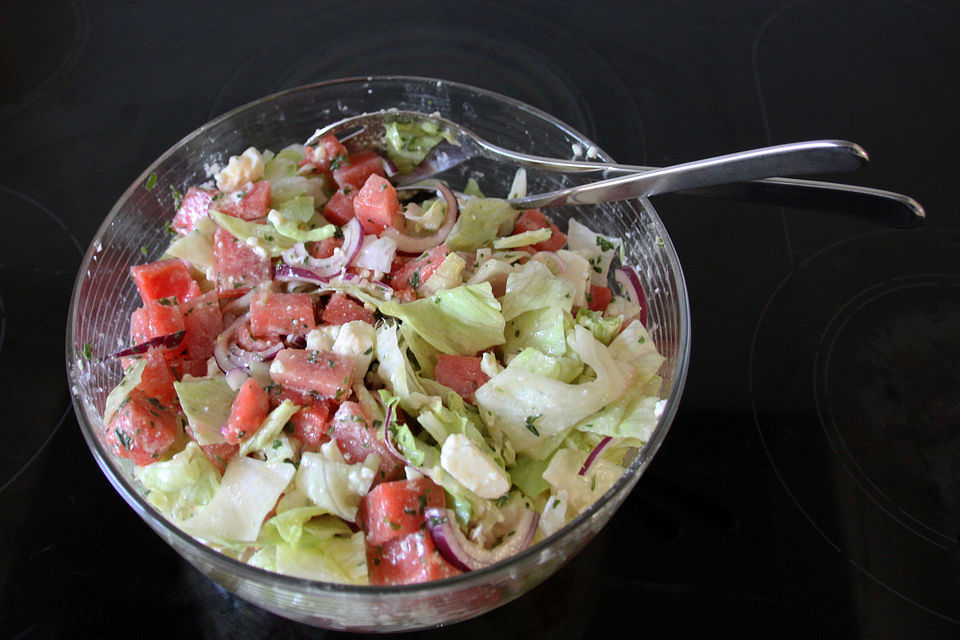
(335, 379)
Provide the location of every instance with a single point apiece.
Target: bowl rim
(243, 570)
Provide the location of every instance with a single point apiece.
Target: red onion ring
(226, 355)
(287, 273)
(594, 455)
(168, 341)
(236, 377)
(468, 556)
(630, 282)
(418, 244)
(298, 257)
(551, 257)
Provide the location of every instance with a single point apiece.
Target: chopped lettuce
(534, 409)
(334, 485)
(396, 372)
(635, 347)
(532, 286)
(270, 428)
(118, 396)
(523, 239)
(577, 272)
(603, 329)
(248, 491)
(300, 209)
(462, 320)
(543, 329)
(563, 474)
(562, 368)
(479, 223)
(339, 557)
(596, 249)
(206, 403)
(289, 228)
(527, 474)
(408, 143)
(261, 236)
(472, 189)
(196, 247)
(180, 486)
(447, 276)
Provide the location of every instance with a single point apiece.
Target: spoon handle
(797, 158)
(862, 203)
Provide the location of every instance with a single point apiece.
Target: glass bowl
(104, 297)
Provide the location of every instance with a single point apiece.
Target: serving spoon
(746, 176)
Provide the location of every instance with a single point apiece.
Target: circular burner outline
(50, 214)
(80, 34)
(766, 447)
(589, 126)
(832, 433)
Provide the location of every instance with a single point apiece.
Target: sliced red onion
(376, 254)
(239, 306)
(468, 556)
(168, 341)
(236, 377)
(298, 257)
(296, 342)
(389, 168)
(630, 282)
(231, 356)
(390, 445)
(419, 244)
(594, 455)
(552, 258)
(286, 273)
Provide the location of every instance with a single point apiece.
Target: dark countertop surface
(810, 484)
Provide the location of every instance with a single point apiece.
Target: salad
(336, 379)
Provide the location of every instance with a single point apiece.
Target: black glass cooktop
(810, 484)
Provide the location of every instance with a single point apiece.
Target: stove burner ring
(32, 284)
(853, 389)
(827, 360)
(67, 25)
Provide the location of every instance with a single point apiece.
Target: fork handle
(817, 156)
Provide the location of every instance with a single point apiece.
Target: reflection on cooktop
(61, 25)
(449, 42)
(874, 423)
(38, 261)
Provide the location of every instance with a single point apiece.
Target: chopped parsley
(277, 444)
(87, 351)
(604, 244)
(529, 424)
(414, 279)
(177, 197)
(338, 161)
(151, 181)
(125, 441)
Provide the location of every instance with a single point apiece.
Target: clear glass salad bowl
(133, 232)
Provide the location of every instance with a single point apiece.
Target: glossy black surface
(810, 485)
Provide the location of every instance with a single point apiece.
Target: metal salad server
(745, 176)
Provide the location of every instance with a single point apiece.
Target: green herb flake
(177, 197)
(422, 503)
(87, 351)
(529, 424)
(277, 444)
(604, 244)
(151, 181)
(124, 438)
